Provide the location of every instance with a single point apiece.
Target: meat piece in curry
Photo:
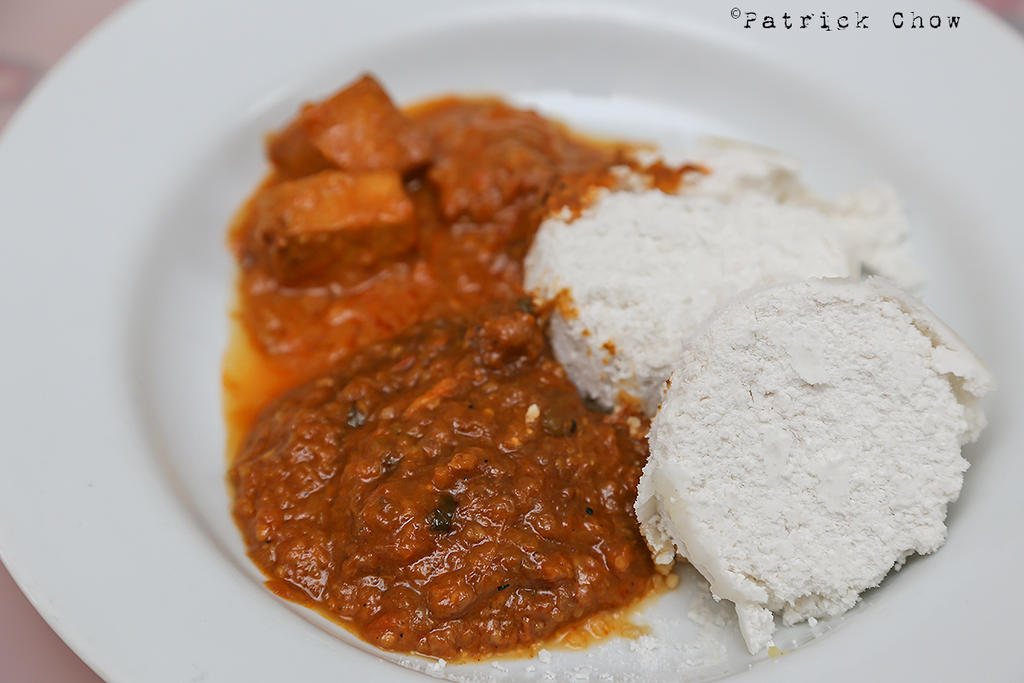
(492, 158)
(432, 479)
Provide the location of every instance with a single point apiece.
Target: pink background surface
(34, 34)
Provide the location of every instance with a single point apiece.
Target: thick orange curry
(408, 456)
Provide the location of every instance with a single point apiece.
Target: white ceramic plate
(117, 180)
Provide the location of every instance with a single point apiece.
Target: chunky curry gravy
(408, 456)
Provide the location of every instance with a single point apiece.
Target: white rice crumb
(645, 644)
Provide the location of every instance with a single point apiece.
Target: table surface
(34, 34)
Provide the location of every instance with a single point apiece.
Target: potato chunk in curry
(357, 129)
(332, 226)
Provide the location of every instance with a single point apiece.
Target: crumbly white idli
(641, 269)
(809, 442)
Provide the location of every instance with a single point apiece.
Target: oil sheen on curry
(406, 455)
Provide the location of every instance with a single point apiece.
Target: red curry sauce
(408, 455)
